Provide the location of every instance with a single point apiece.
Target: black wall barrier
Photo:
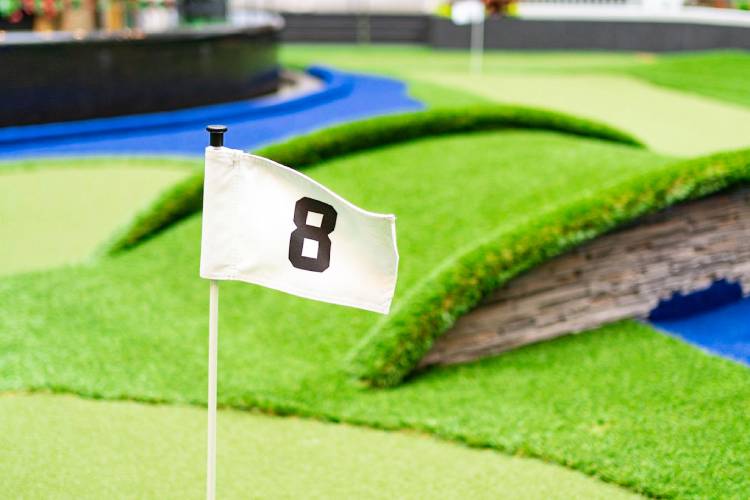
(353, 28)
(648, 36)
(510, 33)
(59, 77)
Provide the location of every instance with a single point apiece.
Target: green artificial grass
(54, 213)
(621, 403)
(666, 121)
(624, 404)
(186, 198)
(720, 75)
(66, 447)
(400, 60)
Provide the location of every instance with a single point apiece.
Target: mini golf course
(622, 403)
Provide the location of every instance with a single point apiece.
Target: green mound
(395, 346)
(187, 197)
(130, 310)
(54, 213)
(85, 449)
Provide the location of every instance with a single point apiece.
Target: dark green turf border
(392, 349)
(186, 198)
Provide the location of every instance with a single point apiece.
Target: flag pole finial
(217, 135)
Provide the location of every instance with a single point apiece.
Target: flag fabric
(467, 12)
(270, 225)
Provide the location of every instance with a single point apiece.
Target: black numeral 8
(322, 260)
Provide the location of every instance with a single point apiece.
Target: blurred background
(311, 19)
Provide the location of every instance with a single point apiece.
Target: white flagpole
(216, 141)
(477, 46)
(213, 344)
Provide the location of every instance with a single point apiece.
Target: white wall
(340, 6)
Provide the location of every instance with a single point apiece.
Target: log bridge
(623, 274)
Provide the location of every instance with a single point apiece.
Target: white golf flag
(267, 224)
(467, 12)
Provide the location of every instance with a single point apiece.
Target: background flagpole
(477, 46)
(213, 344)
(216, 141)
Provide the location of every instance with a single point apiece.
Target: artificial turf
(624, 403)
(664, 119)
(67, 447)
(722, 75)
(94, 201)
(678, 104)
(400, 60)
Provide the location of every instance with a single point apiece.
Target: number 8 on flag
(268, 224)
(304, 232)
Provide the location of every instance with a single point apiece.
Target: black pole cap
(217, 135)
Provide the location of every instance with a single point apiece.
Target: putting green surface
(721, 75)
(666, 120)
(95, 449)
(411, 59)
(59, 215)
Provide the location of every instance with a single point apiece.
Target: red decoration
(16, 17)
(49, 8)
(499, 7)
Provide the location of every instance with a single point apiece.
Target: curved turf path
(89, 449)
(636, 408)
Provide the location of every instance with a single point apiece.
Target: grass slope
(94, 201)
(86, 449)
(634, 408)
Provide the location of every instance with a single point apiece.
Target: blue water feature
(252, 123)
(716, 319)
